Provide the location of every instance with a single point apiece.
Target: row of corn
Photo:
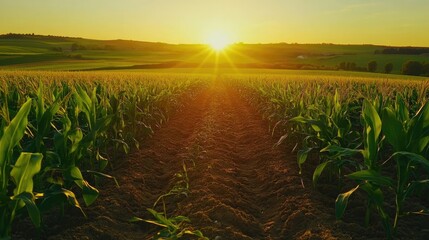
(369, 135)
(59, 132)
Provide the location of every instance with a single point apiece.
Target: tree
(74, 47)
(388, 68)
(412, 68)
(425, 69)
(372, 66)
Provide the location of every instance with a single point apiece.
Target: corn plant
(369, 178)
(327, 124)
(21, 171)
(329, 114)
(409, 139)
(65, 135)
(172, 228)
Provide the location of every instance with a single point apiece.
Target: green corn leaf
(393, 130)
(27, 165)
(47, 116)
(318, 171)
(56, 195)
(40, 102)
(153, 222)
(75, 136)
(85, 103)
(103, 175)
(419, 136)
(376, 198)
(162, 221)
(339, 151)
(402, 110)
(135, 219)
(372, 177)
(179, 219)
(11, 137)
(342, 201)
(318, 126)
(372, 132)
(372, 118)
(302, 157)
(374, 193)
(299, 119)
(413, 157)
(416, 185)
(89, 193)
(101, 124)
(33, 211)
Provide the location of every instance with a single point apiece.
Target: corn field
(60, 131)
(368, 135)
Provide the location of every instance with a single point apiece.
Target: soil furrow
(241, 187)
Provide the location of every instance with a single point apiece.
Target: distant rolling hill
(25, 51)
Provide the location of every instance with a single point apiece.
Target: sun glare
(219, 41)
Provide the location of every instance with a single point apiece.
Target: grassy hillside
(65, 53)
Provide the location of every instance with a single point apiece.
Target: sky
(383, 22)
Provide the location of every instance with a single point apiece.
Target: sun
(218, 41)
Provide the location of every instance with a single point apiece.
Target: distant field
(312, 74)
(54, 53)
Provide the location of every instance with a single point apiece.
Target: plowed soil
(241, 186)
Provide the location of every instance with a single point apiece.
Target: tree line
(32, 35)
(372, 66)
(403, 50)
(414, 68)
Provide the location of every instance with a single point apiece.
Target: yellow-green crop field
(62, 132)
(369, 135)
(59, 132)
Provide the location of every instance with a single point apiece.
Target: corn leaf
(342, 201)
(89, 193)
(56, 195)
(27, 165)
(339, 151)
(302, 157)
(372, 132)
(33, 211)
(419, 134)
(393, 130)
(413, 157)
(319, 170)
(371, 176)
(11, 137)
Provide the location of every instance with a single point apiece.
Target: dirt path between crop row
(241, 187)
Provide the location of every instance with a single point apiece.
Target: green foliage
(60, 139)
(30, 52)
(412, 68)
(177, 226)
(173, 228)
(355, 126)
(372, 66)
(388, 68)
(20, 171)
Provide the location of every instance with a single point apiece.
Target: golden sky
(386, 22)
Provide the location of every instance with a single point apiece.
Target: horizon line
(233, 43)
